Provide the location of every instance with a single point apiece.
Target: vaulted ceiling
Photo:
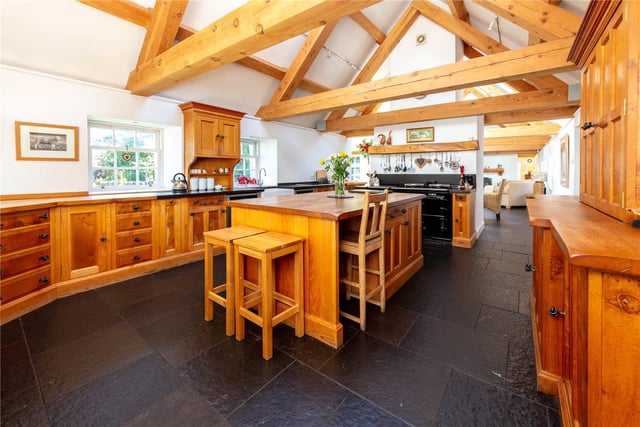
(316, 62)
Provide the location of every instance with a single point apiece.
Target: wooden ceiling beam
(497, 104)
(529, 61)
(250, 28)
(543, 20)
(524, 130)
(515, 144)
(517, 85)
(367, 25)
(476, 39)
(552, 113)
(357, 133)
(302, 62)
(163, 28)
(381, 54)
(458, 9)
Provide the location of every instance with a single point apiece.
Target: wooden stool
(224, 238)
(266, 248)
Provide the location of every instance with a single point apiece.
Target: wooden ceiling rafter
(526, 101)
(519, 144)
(252, 27)
(548, 113)
(162, 29)
(544, 20)
(528, 61)
(366, 24)
(302, 62)
(123, 9)
(381, 54)
(458, 9)
(523, 129)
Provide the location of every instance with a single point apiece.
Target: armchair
(492, 201)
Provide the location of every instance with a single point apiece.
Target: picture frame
(41, 141)
(564, 160)
(425, 134)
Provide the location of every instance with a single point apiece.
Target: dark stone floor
(453, 349)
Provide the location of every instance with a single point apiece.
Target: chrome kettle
(179, 182)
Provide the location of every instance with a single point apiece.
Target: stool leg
(298, 289)
(362, 282)
(239, 291)
(267, 284)
(230, 291)
(208, 281)
(382, 283)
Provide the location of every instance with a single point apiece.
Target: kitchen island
(319, 218)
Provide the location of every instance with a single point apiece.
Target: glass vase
(339, 190)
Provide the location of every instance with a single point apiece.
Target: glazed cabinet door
(83, 240)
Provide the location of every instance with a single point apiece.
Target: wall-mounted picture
(564, 160)
(420, 135)
(39, 141)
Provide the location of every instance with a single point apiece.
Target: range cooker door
(436, 227)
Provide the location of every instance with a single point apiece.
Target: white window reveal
(249, 159)
(124, 157)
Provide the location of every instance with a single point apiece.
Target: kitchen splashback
(398, 180)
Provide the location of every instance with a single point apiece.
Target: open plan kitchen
(364, 212)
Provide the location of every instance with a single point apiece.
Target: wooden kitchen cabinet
(211, 141)
(133, 232)
(83, 240)
(607, 48)
(168, 220)
(25, 253)
(204, 213)
(463, 218)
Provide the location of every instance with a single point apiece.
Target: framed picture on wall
(564, 160)
(39, 141)
(420, 134)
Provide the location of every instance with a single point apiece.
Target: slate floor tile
(131, 291)
(153, 309)
(15, 369)
(355, 411)
(231, 372)
(470, 402)
(67, 319)
(10, 333)
(183, 335)
(402, 383)
(477, 354)
(117, 397)
(68, 366)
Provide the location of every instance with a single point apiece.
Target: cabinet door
(83, 240)
(229, 138)
(608, 152)
(167, 229)
(204, 214)
(206, 135)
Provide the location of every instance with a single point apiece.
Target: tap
(260, 181)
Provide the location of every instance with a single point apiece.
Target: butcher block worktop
(589, 237)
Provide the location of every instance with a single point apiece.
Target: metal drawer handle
(44, 280)
(553, 311)
(44, 258)
(103, 239)
(136, 223)
(406, 223)
(529, 267)
(136, 239)
(44, 216)
(404, 210)
(172, 202)
(136, 257)
(135, 207)
(392, 216)
(588, 125)
(44, 235)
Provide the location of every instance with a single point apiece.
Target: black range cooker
(436, 208)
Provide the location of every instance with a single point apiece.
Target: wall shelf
(499, 171)
(425, 147)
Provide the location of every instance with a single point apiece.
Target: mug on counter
(193, 184)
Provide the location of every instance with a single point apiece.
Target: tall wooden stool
(368, 239)
(266, 248)
(223, 238)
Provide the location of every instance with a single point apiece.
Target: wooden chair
(359, 244)
(493, 201)
(266, 248)
(222, 294)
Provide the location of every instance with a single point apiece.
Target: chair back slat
(374, 212)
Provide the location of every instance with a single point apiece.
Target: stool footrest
(284, 315)
(219, 299)
(250, 315)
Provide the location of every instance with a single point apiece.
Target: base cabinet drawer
(25, 283)
(133, 222)
(19, 262)
(132, 239)
(21, 238)
(133, 255)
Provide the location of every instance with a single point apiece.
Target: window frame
(239, 169)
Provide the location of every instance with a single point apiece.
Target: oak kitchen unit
(318, 219)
